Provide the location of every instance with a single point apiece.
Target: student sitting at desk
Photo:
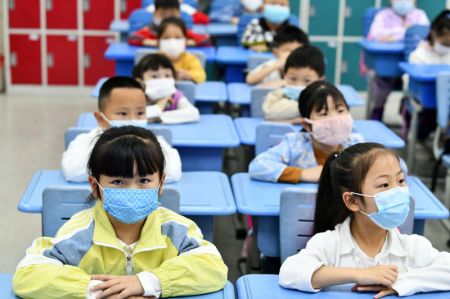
(126, 245)
(197, 16)
(121, 102)
(167, 104)
(259, 33)
(361, 200)
(148, 35)
(390, 25)
(303, 66)
(172, 42)
(327, 127)
(230, 11)
(270, 73)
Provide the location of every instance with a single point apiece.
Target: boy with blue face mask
(122, 102)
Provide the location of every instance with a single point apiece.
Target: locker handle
(312, 11)
(13, 59)
(87, 61)
(49, 5)
(50, 60)
(348, 12)
(12, 5)
(123, 5)
(87, 5)
(344, 67)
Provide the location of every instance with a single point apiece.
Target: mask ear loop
(98, 191)
(105, 119)
(362, 196)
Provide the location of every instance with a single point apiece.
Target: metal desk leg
(412, 134)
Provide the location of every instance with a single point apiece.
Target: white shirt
(75, 158)
(424, 54)
(421, 268)
(185, 112)
(273, 76)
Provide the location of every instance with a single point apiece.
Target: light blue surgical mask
(393, 207)
(275, 13)
(293, 91)
(141, 123)
(403, 7)
(130, 205)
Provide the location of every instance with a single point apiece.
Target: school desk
(256, 286)
(234, 60)
(240, 94)
(6, 291)
(203, 195)
(383, 57)
(201, 144)
(124, 54)
(262, 199)
(371, 130)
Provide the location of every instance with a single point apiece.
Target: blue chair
(258, 95)
(413, 36)
(256, 59)
(72, 133)
(270, 134)
(139, 18)
(368, 18)
(59, 203)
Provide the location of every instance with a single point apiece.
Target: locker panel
(354, 13)
(25, 59)
(95, 64)
(127, 6)
(329, 51)
(323, 17)
(24, 13)
(350, 67)
(61, 14)
(62, 60)
(98, 14)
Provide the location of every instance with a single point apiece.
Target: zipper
(129, 266)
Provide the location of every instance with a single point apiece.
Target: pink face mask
(331, 131)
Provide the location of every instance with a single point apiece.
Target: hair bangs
(321, 99)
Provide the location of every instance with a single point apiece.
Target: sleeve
(153, 111)
(197, 269)
(195, 68)
(277, 107)
(199, 39)
(270, 165)
(173, 161)
(428, 269)
(381, 28)
(423, 19)
(291, 175)
(185, 112)
(418, 56)
(137, 38)
(297, 270)
(61, 281)
(200, 18)
(150, 283)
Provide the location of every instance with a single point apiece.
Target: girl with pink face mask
(327, 127)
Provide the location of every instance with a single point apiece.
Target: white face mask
(252, 5)
(172, 47)
(440, 48)
(161, 88)
(141, 123)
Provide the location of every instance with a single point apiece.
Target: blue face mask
(276, 14)
(293, 92)
(393, 207)
(403, 7)
(130, 205)
(141, 123)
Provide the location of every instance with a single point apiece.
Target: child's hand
(384, 275)
(119, 287)
(382, 290)
(234, 20)
(311, 174)
(162, 103)
(281, 61)
(150, 42)
(259, 48)
(181, 75)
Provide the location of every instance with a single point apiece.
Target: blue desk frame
(203, 195)
(262, 199)
(384, 57)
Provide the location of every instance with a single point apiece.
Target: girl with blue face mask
(126, 246)
(361, 201)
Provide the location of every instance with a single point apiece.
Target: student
(121, 102)
(197, 16)
(230, 11)
(303, 66)
(362, 199)
(126, 245)
(259, 33)
(270, 73)
(327, 127)
(390, 25)
(172, 43)
(168, 105)
(148, 36)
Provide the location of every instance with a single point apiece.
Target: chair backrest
(368, 17)
(140, 53)
(59, 203)
(73, 132)
(297, 207)
(270, 134)
(256, 59)
(139, 18)
(413, 36)
(443, 99)
(258, 95)
(188, 89)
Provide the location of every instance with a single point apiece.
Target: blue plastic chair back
(443, 99)
(256, 59)
(59, 203)
(368, 17)
(139, 18)
(73, 132)
(258, 95)
(270, 134)
(413, 36)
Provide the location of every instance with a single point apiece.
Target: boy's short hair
(290, 34)
(115, 82)
(167, 4)
(152, 62)
(306, 57)
(172, 21)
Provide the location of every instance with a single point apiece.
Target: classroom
(232, 149)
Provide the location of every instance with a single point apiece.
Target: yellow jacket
(189, 63)
(171, 247)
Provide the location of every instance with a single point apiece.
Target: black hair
(440, 24)
(152, 62)
(306, 57)
(314, 98)
(119, 149)
(172, 21)
(167, 4)
(343, 172)
(289, 34)
(115, 82)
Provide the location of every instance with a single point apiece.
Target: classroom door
(127, 6)
(62, 59)
(95, 64)
(23, 13)
(98, 15)
(61, 14)
(25, 58)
